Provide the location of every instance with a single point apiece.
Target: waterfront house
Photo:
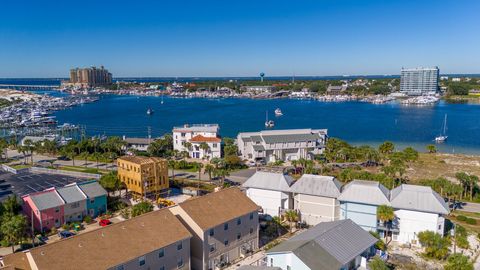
(359, 201)
(143, 176)
(75, 207)
(340, 244)
(336, 89)
(259, 88)
(44, 209)
(270, 191)
(315, 198)
(198, 135)
(139, 144)
(224, 226)
(417, 209)
(156, 240)
(96, 198)
(285, 145)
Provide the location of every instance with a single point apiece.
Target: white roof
(317, 185)
(270, 181)
(198, 128)
(366, 192)
(418, 198)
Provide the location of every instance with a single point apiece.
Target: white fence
(67, 173)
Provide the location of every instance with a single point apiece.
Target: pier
(28, 86)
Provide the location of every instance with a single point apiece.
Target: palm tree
(199, 167)
(278, 224)
(385, 213)
(209, 168)
(386, 148)
(291, 216)
(3, 148)
(221, 173)
(172, 163)
(205, 148)
(29, 147)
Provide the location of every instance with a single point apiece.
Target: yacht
(278, 112)
(268, 123)
(442, 137)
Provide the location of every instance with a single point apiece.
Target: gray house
(331, 245)
(315, 198)
(75, 207)
(289, 144)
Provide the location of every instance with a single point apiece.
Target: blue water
(356, 122)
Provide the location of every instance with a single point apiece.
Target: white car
(251, 163)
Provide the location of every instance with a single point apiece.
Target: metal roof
(418, 198)
(328, 245)
(366, 192)
(290, 138)
(258, 147)
(46, 200)
(317, 185)
(92, 189)
(71, 194)
(270, 181)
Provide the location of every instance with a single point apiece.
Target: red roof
(200, 138)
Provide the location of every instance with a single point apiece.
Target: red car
(104, 222)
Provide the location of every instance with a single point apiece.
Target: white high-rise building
(419, 81)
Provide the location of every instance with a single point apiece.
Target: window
(251, 230)
(161, 253)
(214, 145)
(179, 245)
(57, 210)
(212, 247)
(92, 200)
(271, 261)
(239, 221)
(225, 226)
(439, 226)
(225, 242)
(141, 261)
(211, 232)
(239, 236)
(251, 216)
(180, 263)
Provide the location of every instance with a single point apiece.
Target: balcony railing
(392, 226)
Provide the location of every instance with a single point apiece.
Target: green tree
(141, 208)
(221, 173)
(13, 229)
(385, 214)
(431, 148)
(11, 205)
(291, 216)
(3, 148)
(205, 148)
(435, 245)
(29, 146)
(162, 147)
(110, 182)
(210, 169)
(171, 164)
(458, 262)
(386, 148)
(377, 264)
(410, 154)
(380, 245)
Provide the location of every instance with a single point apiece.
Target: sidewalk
(250, 260)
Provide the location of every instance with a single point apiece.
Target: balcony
(392, 226)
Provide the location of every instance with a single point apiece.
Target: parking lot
(25, 183)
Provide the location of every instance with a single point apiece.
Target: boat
(278, 112)
(149, 111)
(268, 123)
(443, 137)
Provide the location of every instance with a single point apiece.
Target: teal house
(96, 197)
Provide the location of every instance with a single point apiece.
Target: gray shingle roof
(328, 245)
(366, 192)
(418, 198)
(290, 138)
(46, 200)
(71, 194)
(92, 189)
(269, 181)
(317, 185)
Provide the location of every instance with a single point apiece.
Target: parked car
(104, 222)
(65, 234)
(251, 163)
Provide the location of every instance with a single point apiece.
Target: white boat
(268, 123)
(149, 111)
(278, 112)
(443, 137)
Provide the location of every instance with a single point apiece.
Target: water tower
(261, 76)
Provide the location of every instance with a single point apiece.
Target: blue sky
(238, 38)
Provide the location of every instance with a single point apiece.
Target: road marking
(32, 188)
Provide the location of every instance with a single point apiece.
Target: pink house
(44, 209)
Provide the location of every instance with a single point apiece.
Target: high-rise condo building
(419, 81)
(89, 77)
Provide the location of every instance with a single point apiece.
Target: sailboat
(278, 112)
(443, 137)
(268, 123)
(161, 102)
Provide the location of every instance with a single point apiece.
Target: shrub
(377, 264)
(66, 226)
(87, 219)
(436, 246)
(471, 221)
(458, 262)
(461, 218)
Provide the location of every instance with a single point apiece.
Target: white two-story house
(270, 191)
(191, 138)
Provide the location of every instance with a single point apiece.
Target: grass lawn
(83, 169)
(475, 228)
(21, 166)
